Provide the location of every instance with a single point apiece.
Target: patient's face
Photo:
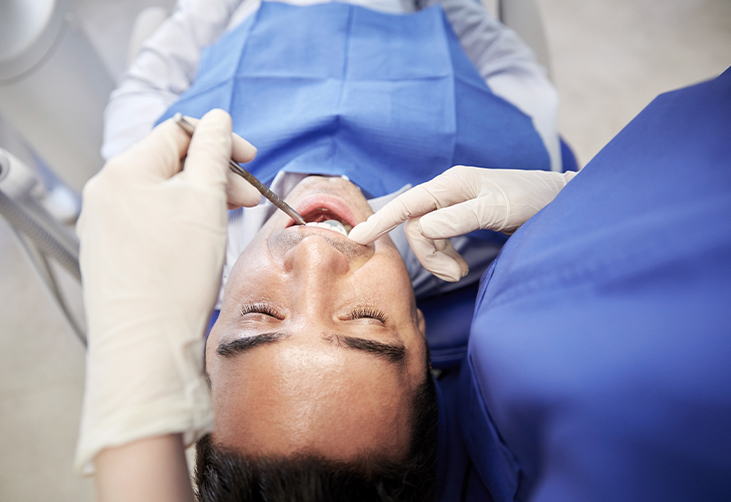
(319, 345)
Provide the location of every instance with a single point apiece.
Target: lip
(333, 204)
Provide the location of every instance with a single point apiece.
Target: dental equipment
(39, 235)
(50, 76)
(236, 168)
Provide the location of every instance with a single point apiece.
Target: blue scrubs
(599, 363)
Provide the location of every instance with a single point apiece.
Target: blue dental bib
(340, 89)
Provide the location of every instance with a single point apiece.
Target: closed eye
(368, 313)
(261, 308)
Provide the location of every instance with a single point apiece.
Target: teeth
(333, 225)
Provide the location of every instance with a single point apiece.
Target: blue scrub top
(599, 363)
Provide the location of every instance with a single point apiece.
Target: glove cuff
(144, 379)
(157, 419)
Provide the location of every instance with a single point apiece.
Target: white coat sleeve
(164, 68)
(508, 66)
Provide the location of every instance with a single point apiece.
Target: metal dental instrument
(235, 167)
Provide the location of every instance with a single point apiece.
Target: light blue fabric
(340, 89)
(599, 363)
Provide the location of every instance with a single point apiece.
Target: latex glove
(457, 202)
(239, 192)
(152, 249)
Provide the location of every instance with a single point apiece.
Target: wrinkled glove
(152, 248)
(457, 202)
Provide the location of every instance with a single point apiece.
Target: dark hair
(223, 475)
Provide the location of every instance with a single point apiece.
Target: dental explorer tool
(236, 168)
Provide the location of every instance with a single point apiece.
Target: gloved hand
(152, 248)
(239, 192)
(459, 201)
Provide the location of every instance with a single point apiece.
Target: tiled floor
(610, 58)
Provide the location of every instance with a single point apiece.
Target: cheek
(251, 269)
(254, 279)
(389, 281)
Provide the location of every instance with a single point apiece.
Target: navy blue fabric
(457, 479)
(453, 462)
(448, 319)
(340, 89)
(568, 159)
(600, 352)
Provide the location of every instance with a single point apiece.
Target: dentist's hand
(153, 241)
(239, 193)
(457, 202)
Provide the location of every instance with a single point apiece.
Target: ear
(420, 322)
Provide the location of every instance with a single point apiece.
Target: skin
(286, 374)
(149, 470)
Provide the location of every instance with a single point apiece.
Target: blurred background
(608, 59)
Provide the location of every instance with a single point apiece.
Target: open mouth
(323, 217)
(327, 212)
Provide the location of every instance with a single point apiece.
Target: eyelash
(260, 308)
(359, 313)
(368, 313)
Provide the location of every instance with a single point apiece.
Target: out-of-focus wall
(611, 58)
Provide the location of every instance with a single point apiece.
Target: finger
(210, 150)
(414, 202)
(241, 150)
(240, 192)
(451, 187)
(489, 211)
(437, 256)
(158, 155)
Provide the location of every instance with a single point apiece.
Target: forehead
(302, 395)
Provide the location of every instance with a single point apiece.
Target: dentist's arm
(153, 239)
(148, 470)
(457, 202)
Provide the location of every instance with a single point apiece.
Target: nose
(315, 261)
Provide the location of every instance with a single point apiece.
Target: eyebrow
(391, 352)
(240, 345)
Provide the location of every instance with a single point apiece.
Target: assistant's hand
(459, 201)
(152, 248)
